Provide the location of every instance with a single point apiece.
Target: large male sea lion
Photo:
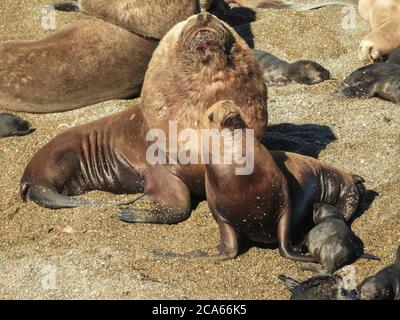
(384, 18)
(88, 62)
(148, 18)
(275, 202)
(199, 62)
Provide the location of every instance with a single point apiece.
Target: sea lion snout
(224, 115)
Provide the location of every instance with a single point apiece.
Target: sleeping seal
(379, 80)
(279, 72)
(86, 63)
(11, 125)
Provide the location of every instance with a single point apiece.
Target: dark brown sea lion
(379, 80)
(88, 62)
(180, 83)
(108, 154)
(148, 18)
(331, 242)
(279, 72)
(322, 287)
(274, 204)
(11, 125)
(385, 285)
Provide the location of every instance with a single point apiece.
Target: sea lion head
(374, 289)
(323, 211)
(224, 115)
(205, 40)
(308, 72)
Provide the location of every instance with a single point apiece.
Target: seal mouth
(203, 37)
(233, 120)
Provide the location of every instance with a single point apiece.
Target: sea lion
(274, 203)
(384, 18)
(109, 155)
(385, 285)
(148, 18)
(380, 80)
(11, 125)
(168, 94)
(322, 287)
(279, 72)
(88, 62)
(331, 242)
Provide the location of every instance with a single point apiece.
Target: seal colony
(211, 64)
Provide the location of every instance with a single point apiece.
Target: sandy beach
(88, 254)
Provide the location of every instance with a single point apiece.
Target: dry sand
(100, 257)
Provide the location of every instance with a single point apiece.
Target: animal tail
(289, 282)
(49, 198)
(369, 256)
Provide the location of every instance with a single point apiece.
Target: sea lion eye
(211, 117)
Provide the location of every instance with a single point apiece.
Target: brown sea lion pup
(274, 204)
(379, 80)
(88, 62)
(279, 72)
(148, 18)
(385, 285)
(384, 18)
(109, 155)
(11, 125)
(331, 242)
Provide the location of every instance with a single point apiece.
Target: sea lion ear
(211, 117)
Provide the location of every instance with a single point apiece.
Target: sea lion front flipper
(11, 125)
(166, 200)
(289, 282)
(67, 6)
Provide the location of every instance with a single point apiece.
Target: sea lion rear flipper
(369, 256)
(49, 198)
(67, 6)
(289, 282)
